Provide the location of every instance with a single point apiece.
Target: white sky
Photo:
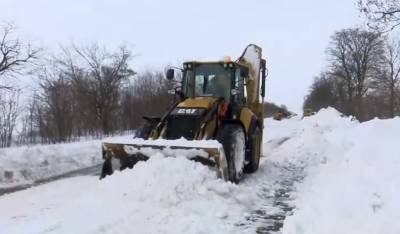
(293, 34)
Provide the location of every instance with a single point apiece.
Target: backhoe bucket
(122, 153)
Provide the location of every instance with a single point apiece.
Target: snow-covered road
(323, 174)
(92, 170)
(28, 165)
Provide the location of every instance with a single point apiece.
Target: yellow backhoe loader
(217, 119)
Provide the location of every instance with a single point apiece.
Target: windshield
(211, 80)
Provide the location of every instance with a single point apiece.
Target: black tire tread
(252, 158)
(225, 136)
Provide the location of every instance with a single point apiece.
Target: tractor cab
(214, 79)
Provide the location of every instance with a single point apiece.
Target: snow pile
(353, 179)
(24, 165)
(162, 195)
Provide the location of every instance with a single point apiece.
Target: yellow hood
(198, 102)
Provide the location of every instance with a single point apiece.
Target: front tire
(233, 140)
(144, 131)
(106, 170)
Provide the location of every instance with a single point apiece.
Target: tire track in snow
(276, 198)
(275, 186)
(278, 202)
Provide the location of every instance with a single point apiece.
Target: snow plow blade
(122, 153)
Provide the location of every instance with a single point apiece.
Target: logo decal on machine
(187, 111)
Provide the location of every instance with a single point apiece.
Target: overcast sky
(293, 33)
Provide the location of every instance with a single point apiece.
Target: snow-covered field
(340, 176)
(24, 165)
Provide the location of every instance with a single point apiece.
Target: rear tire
(254, 152)
(233, 140)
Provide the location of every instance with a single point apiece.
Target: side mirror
(244, 72)
(170, 74)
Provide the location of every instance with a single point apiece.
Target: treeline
(271, 108)
(362, 78)
(86, 91)
(92, 92)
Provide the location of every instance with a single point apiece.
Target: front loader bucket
(122, 153)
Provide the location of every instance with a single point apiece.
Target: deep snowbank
(353, 179)
(24, 165)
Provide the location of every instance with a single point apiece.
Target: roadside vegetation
(80, 91)
(362, 78)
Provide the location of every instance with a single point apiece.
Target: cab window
(239, 87)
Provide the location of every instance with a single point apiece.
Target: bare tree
(323, 93)
(9, 111)
(381, 14)
(14, 54)
(355, 55)
(29, 133)
(147, 95)
(99, 78)
(389, 77)
(58, 110)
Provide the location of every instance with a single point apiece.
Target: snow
(252, 56)
(162, 195)
(166, 147)
(352, 182)
(208, 144)
(24, 165)
(172, 148)
(326, 173)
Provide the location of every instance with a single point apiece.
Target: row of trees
(83, 91)
(363, 76)
(92, 92)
